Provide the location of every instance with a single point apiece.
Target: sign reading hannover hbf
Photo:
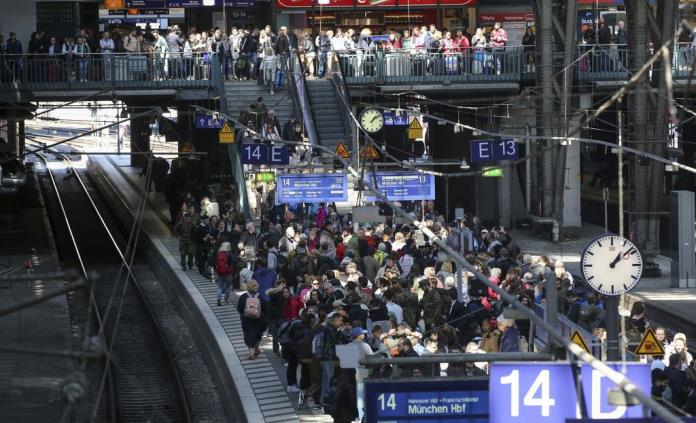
(442, 401)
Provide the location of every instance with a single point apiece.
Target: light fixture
(124, 113)
(465, 165)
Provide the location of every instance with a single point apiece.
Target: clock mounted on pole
(612, 265)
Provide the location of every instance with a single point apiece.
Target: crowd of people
(264, 54)
(312, 281)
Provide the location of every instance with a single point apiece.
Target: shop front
(514, 22)
(380, 16)
(126, 19)
(590, 12)
(199, 14)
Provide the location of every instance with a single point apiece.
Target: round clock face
(611, 265)
(371, 120)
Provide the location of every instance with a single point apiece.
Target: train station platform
(32, 367)
(666, 306)
(259, 385)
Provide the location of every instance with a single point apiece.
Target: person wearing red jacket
(498, 41)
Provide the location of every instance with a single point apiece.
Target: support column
(571, 193)
(12, 134)
(505, 195)
(139, 140)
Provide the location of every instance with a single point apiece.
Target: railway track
(141, 381)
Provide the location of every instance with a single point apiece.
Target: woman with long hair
(253, 313)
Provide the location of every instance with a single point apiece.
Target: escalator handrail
(302, 99)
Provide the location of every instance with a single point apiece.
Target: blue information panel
(393, 118)
(205, 121)
(441, 401)
(184, 3)
(535, 392)
(258, 154)
(145, 4)
(493, 150)
(316, 188)
(402, 186)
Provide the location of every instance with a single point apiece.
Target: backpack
(304, 348)
(252, 308)
(285, 332)
(282, 263)
(330, 400)
(293, 307)
(222, 264)
(522, 343)
(318, 344)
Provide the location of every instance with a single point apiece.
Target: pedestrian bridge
(489, 69)
(26, 78)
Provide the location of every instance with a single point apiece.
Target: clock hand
(374, 118)
(616, 260)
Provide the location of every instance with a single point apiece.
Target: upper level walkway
(200, 76)
(103, 76)
(486, 69)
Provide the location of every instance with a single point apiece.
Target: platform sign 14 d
(442, 401)
(536, 392)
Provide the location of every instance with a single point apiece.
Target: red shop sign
(291, 4)
(375, 3)
(491, 18)
(416, 3)
(458, 2)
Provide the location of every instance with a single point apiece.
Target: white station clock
(611, 265)
(372, 120)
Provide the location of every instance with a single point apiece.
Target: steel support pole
(612, 310)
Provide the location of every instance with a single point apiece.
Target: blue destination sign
(402, 186)
(205, 121)
(258, 154)
(312, 188)
(145, 4)
(394, 118)
(536, 392)
(185, 3)
(493, 150)
(441, 401)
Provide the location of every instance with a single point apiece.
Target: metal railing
(602, 62)
(420, 66)
(567, 327)
(117, 70)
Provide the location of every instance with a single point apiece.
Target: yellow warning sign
(226, 135)
(369, 152)
(577, 340)
(342, 151)
(415, 129)
(649, 345)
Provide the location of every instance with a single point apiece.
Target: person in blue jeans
(324, 44)
(332, 337)
(224, 265)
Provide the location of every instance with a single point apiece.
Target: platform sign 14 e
(258, 154)
(442, 401)
(536, 392)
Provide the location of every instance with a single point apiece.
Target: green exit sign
(492, 172)
(265, 177)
